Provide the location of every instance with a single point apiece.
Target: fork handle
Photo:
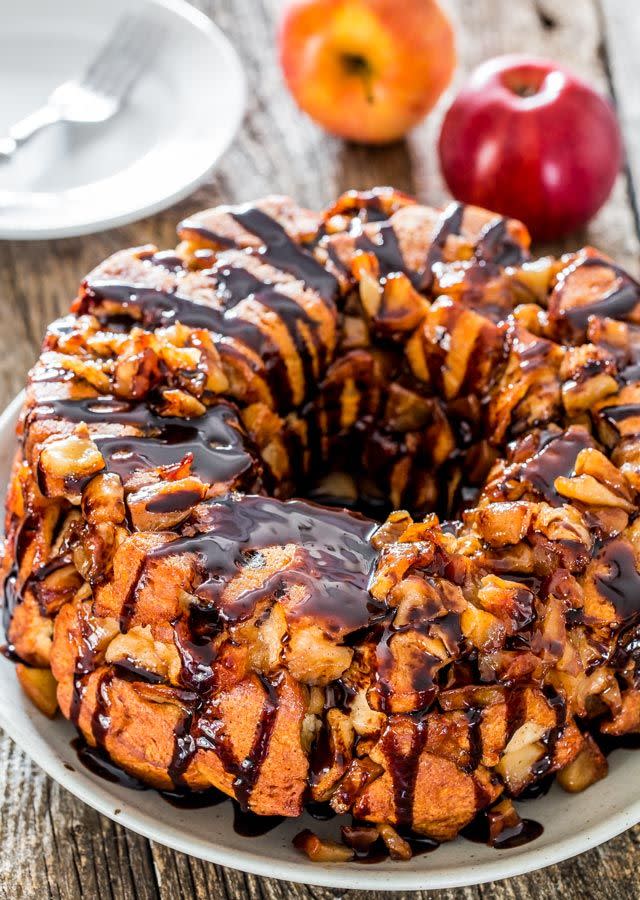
(23, 130)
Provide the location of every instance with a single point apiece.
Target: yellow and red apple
(366, 70)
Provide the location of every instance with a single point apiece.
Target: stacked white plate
(180, 117)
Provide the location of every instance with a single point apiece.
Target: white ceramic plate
(572, 823)
(178, 120)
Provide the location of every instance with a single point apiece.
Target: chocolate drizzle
(130, 600)
(97, 761)
(234, 329)
(249, 769)
(402, 743)
(153, 308)
(184, 748)
(278, 249)
(238, 284)
(386, 250)
(249, 824)
(194, 637)
(619, 583)
(618, 303)
(335, 573)
(101, 718)
(168, 259)
(334, 567)
(557, 703)
(198, 730)
(557, 456)
(25, 535)
(617, 414)
(194, 799)
(85, 663)
(474, 717)
(496, 248)
(284, 254)
(215, 442)
(522, 832)
(450, 223)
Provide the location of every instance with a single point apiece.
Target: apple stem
(357, 65)
(523, 82)
(524, 90)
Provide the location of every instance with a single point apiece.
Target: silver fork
(100, 93)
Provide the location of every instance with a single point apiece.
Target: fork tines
(132, 43)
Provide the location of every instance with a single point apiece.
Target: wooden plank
(621, 39)
(53, 845)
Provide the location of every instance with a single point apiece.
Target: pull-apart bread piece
(414, 668)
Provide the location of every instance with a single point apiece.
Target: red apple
(366, 70)
(530, 139)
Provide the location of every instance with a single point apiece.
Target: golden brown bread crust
(204, 631)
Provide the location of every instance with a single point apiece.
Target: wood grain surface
(51, 845)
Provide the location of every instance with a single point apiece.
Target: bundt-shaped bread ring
(204, 629)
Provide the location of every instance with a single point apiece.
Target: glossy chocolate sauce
(557, 703)
(370, 849)
(245, 823)
(101, 717)
(278, 249)
(153, 308)
(557, 456)
(320, 810)
(214, 442)
(474, 717)
(85, 664)
(249, 824)
(283, 253)
(194, 636)
(26, 534)
(184, 745)
(450, 223)
(99, 763)
(402, 757)
(495, 246)
(523, 832)
(537, 789)
(168, 259)
(335, 570)
(335, 559)
(235, 284)
(220, 241)
(386, 249)
(620, 413)
(194, 799)
(618, 303)
(199, 731)
(619, 583)
(249, 769)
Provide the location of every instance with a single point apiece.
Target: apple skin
(528, 138)
(366, 70)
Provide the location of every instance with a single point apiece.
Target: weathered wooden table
(51, 845)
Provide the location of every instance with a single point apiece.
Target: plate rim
(97, 796)
(213, 32)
